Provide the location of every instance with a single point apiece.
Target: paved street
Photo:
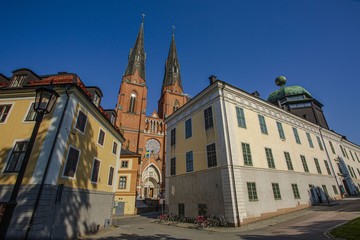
(305, 224)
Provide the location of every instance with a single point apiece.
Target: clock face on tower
(152, 146)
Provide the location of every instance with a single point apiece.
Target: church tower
(145, 135)
(172, 95)
(131, 105)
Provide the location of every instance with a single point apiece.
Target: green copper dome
(286, 91)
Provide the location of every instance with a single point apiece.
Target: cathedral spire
(137, 55)
(172, 77)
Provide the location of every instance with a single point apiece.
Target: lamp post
(45, 100)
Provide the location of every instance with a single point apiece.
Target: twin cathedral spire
(132, 98)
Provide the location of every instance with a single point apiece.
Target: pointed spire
(172, 67)
(137, 55)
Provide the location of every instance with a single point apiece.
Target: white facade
(223, 189)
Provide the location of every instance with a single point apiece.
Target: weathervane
(173, 28)
(143, 16)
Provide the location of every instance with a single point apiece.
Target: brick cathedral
(144, 134)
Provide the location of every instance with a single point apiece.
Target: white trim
(111, 166)
(127, 166)
(8, 115)
(9, 154)
(92, 171)
(27, 112)
(97, 141)
(77, 163)
(81, 108)
(117, 148)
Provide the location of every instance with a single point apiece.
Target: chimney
(212, 79)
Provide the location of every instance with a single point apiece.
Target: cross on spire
(143, 16)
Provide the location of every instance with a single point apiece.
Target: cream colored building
(231, 153)
(125, 197)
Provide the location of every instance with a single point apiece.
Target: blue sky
(314, 43)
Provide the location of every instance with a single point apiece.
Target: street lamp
(44, 102)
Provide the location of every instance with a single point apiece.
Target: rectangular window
(280, 130)
(111, 176)
(17, 157)
(114, 150)
(181, 207)
(309, 140)
(262, 122)
(317, 165)
(124, 164)
(352, 156)
(122, 182)
(320, 144)
(327, 167)
(270, 158)
(342, 150)
(357, 157)
(325, 189)
(304, 163)
(349, 168)
(208, 118)
(353, 172)
(173, 166)
(332, 147)
(101, 137)
(288, 161)
(211, 155)
(346, 155)
(358, 171)
(4, 111)
(18, 81)
(296, 135)
(251, 187)
(276, 191)
(81, 122)
(246, 154)
(31, 115)
(240, 117)
(189, 162)
(71, 162)
(173, 136)
(335, 189)
(188, 128)
(95, 171)
(295, 191)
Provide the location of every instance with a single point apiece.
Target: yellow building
(232, 154)
(125, 197)
(73, 161)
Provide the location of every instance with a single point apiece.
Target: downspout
(230, 156)
(46, 169)
(327, 153)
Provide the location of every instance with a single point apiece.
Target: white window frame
(86, 122)
(11, 108)
(98, 138)
(92, 171)
(77, 164)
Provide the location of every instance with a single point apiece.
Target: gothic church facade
(144, 134)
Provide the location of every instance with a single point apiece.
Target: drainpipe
(328, 156)
(230, 154)
(46, 169)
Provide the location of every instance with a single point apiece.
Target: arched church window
(132, 102)
(176, 105)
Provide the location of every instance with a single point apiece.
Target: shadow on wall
(65, 210)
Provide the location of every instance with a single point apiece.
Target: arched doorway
(151, 183)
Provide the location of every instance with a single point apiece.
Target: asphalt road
(306, 224)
